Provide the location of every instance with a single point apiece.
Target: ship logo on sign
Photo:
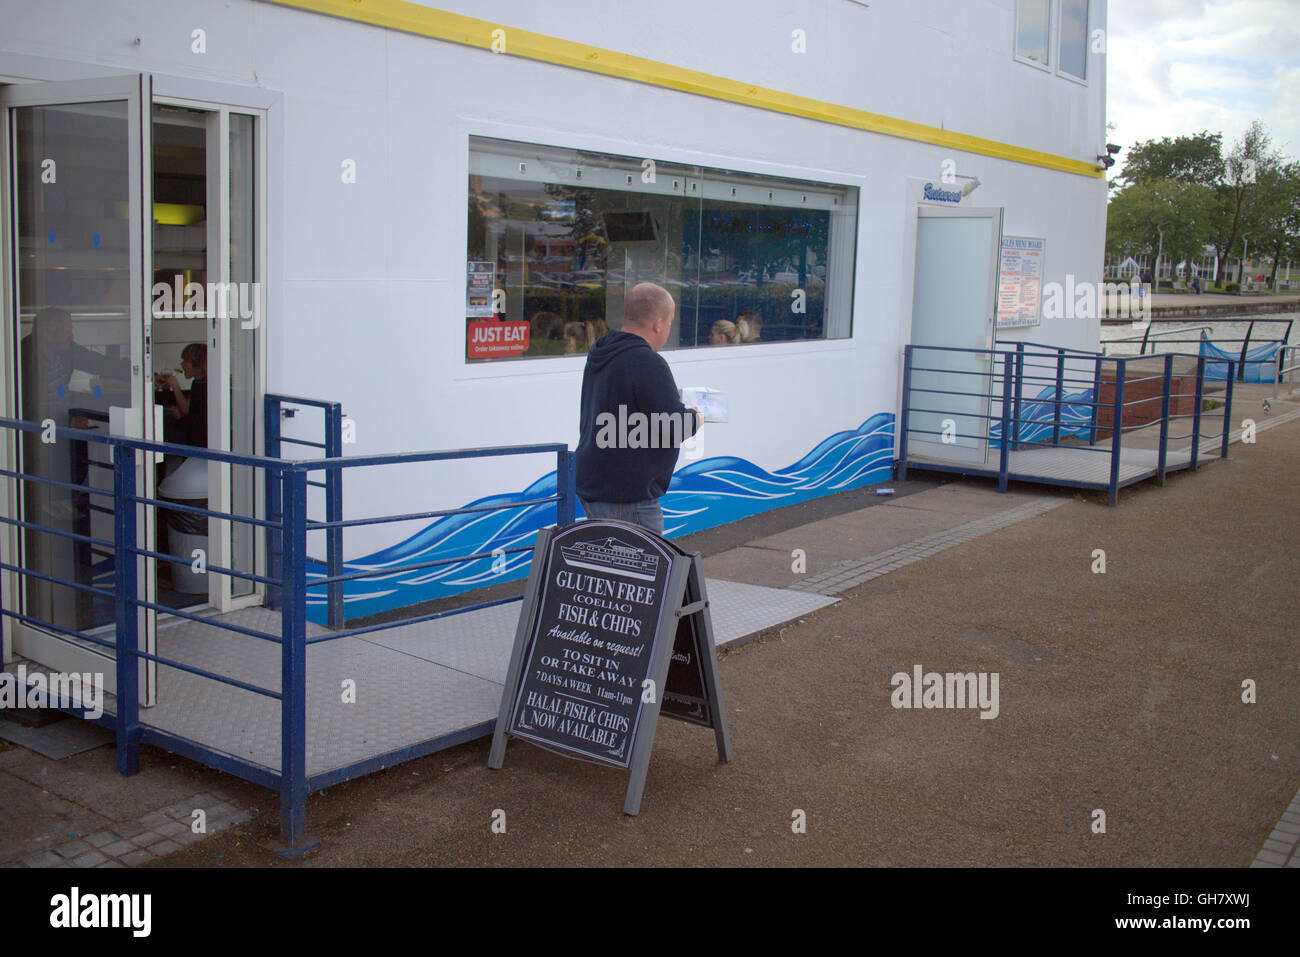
(614, 557)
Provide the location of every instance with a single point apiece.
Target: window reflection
(557, 237)
(1033, 25)
(1074, 38)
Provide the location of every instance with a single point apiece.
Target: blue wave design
(1037, 415)
(702, 495)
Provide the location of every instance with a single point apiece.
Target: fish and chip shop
(395, 229)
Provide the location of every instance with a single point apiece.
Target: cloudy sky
(1177, 67)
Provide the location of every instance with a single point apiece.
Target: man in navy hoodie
(632, 419)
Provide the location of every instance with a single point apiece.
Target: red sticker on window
(492, 340)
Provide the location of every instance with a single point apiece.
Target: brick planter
(1145, 397)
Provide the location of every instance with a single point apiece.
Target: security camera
(1112, 149)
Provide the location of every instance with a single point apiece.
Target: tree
(1277, 228)
(1189, 159)
(1139, 215)
(1239, 202)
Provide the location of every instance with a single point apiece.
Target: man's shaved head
(645, 302)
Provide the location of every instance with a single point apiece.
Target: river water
(1227, 334)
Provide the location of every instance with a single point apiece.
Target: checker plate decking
(414, 683)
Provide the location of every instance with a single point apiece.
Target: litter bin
(188, 485)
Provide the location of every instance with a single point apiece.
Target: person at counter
(187, 419)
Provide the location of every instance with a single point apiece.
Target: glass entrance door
(74, 162)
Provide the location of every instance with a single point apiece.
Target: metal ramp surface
(437, 680)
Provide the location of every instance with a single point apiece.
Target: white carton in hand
(711, 402)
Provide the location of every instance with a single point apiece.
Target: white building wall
(370, 275)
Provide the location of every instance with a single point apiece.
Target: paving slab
(37, 821)
(871, 530)
(771, 560)
(964, 500)
(60, 739)
(91, 779)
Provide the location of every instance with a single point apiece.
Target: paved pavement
(1121, 736)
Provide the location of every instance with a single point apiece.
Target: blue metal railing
(1279, 341)
(1013, 429)
(290, 525)
(277, 407)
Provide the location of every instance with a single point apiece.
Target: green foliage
(1194, 193)
(1189, 159)
(1138, 214)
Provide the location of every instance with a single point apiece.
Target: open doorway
(205, 305)
(105, 191)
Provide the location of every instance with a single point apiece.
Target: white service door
(954, 300)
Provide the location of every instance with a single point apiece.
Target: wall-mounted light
(970, 187)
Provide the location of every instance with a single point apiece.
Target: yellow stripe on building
(469, 31)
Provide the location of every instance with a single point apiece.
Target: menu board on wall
(1020, 281)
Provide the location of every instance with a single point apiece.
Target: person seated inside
(545, 325)
(575, 337)
(187, 418)
(50, 356)
(752, 324)
(724, 332)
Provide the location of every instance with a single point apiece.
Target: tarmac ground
(1119, 691)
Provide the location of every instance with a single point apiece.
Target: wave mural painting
(703, 494)
(1037, 416)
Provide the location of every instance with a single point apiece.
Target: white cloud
(1176, 67)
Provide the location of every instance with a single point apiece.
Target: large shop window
(557, 237)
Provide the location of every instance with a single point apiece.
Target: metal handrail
(291, 575)
(1282, 368)
(276, 407)
(1147, 335)
(1007, 377)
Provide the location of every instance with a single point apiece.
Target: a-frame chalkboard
(614, 631)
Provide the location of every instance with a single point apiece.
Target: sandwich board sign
(614, 631)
